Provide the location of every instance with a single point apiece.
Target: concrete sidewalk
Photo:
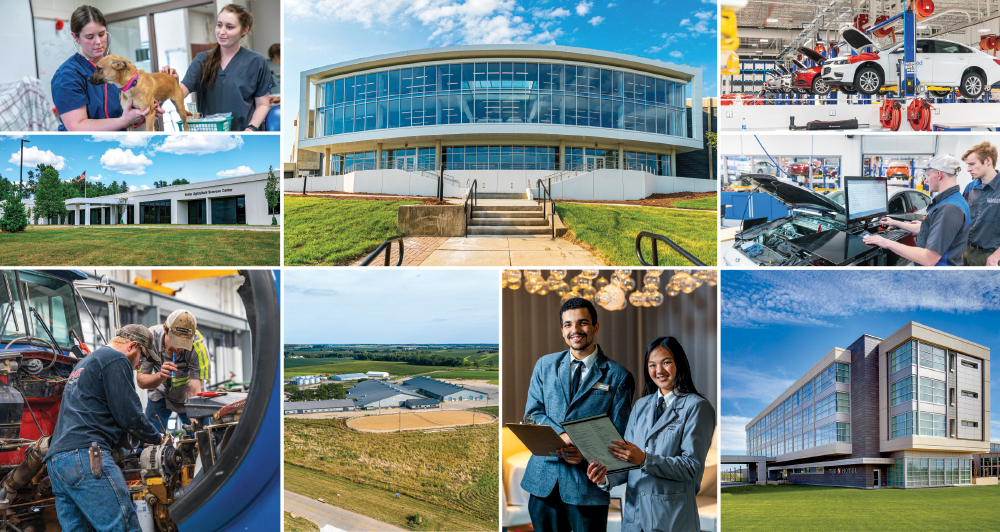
(517, 251)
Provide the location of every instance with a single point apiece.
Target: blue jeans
(158, 410)
(86, 503)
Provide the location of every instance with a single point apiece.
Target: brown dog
(142, 88)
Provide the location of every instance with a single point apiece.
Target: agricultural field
(309, 366)
(299, 524)
(490, 376)
(312, 366)
(806, 508)
(450, 478)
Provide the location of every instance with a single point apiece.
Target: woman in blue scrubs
(673, 426)
(82, 106)
(229, 78)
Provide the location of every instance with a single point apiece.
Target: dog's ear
(118, 65)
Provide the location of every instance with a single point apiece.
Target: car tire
(868, 80)
(972, 85)
(939, 94)
(848, 90)
(820, 87)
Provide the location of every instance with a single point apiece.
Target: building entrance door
(876, 479)
(407, 163)
(593, 162)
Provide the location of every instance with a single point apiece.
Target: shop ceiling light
(984, 30)
(772, 20)
(763, 40)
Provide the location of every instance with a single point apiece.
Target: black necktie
(577, 373)
(660, 406)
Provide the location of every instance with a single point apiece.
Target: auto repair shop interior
(891, 65)
(782, 187)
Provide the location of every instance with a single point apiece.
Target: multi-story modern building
(601, 125)
(907, 411)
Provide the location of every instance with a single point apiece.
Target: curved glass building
(502, 115)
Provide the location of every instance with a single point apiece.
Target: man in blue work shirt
(573, 384)
(983, 195)
(99, 406)
(942, 235)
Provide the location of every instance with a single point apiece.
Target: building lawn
(299, 524)
(705, 204)
(611, 230)
(336, 232)
(823, 509)
(450, 477)
(140, 246)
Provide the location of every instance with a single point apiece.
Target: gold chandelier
(614, 294)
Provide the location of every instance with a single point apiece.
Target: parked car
(802, 169)
(809, 79)
(939, 63)
(898, 170)
(765, 167)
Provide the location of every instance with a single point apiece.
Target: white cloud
(446, 21)
(612, 4)
(555, 12)
(9, 170)
(733, 434)
(124, 140)
(125, 162)
(90, 157)
(584, 7)
(235, 172)
(34, 156)
(97, 177)
(596, 21)
(133, 188)
(676, 54)
(703, 25)
(144, 187)
(740, 382)
(199, 144)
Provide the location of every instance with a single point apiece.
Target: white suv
(939, 63)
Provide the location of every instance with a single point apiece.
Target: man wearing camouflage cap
(183, 364)
(942, 235)
(99, 408)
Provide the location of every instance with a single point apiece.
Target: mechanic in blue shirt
(942, 235)
(230, 78)
(99, 405)
(82, 106)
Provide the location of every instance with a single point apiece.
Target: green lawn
(311, 366)
(336, 232)
(451, 478)
(708, 204)
(611, 230)
(140, 246)
(807, 508)
(299, 524)
(491, 376)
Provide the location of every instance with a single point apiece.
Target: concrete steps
(509, 220)
(502, 195)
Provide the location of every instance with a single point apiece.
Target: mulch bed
(655, 200)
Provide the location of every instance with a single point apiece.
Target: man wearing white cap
(185, 364)
(942, 235)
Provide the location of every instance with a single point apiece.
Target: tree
(159, 184)
(180, 182)
(49, 200)
(14, 218)
(272, 193)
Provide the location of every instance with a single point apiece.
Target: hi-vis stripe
(199, 349)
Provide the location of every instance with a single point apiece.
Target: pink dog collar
(131, 82)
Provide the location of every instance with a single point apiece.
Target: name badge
(602, 387)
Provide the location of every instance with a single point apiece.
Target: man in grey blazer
(577, 383)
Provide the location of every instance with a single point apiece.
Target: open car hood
(792, 194)
(856, 39)
(798, 65)
(813, 55)
(781, 68)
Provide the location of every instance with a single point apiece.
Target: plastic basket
(213, 125)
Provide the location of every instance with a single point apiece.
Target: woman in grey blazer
(669, 433)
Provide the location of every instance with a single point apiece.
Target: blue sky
(140, 159)
(776, 325)
(391, 306)
(323, 32)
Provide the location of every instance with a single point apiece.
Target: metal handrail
(474, 196)
(541, 193)
(562, 175)
(387, 247)
(656, 260)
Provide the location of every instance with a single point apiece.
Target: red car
(802, 169)
(898, 170)
(808, 79)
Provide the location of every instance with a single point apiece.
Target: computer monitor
(865, 196)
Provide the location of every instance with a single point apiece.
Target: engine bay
(767, 244)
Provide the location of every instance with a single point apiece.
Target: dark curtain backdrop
(530, 330)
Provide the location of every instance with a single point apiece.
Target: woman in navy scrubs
(669, 434)
(229, 78)
(82, 106)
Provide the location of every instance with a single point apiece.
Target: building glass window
(903, 390)
(932, 391)
(844, 432)
(808, 440)
(807, 415)
(529, 93)
(902, 425)
(901, 357)
(807, 391)
(932, 356)
(827, 434)
(797, 421)
(153, 212)
(824, 380)
(229, 211)
(843, 372)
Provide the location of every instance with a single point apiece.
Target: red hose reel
(890, 114)
(918, 114)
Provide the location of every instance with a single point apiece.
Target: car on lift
(939, 63)
(898, 169)
(765, 243)
(802, 169)
(773, 77)
(810, 80)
